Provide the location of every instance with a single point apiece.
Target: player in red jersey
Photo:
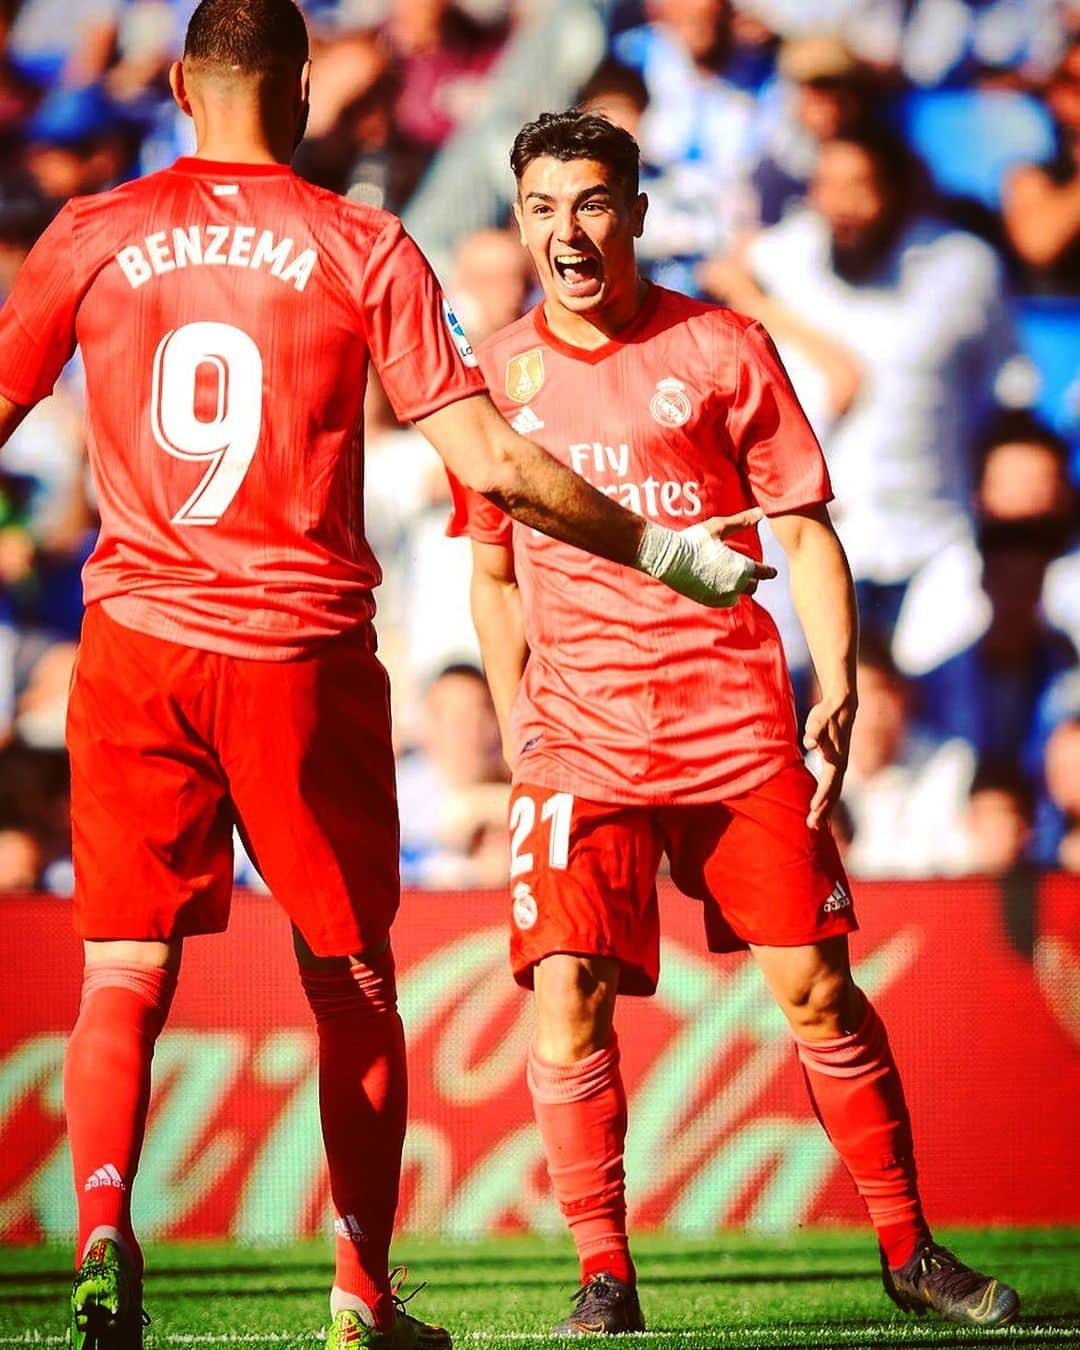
(227, 312)
(637, 724)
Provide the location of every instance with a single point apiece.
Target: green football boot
(348, 1331)
(106, 1301)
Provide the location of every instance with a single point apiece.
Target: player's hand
(828, 731)
(698, 564)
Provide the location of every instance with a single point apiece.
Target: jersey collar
(591, 356)
(219, 168)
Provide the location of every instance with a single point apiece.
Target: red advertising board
(984, 1016)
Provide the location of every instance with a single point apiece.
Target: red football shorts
(172, 746)
(583, 875)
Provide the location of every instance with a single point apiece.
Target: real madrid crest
(670, 405)
(525, 375)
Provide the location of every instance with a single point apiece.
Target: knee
(823, 1005)
(575, 1001)
(350, 986)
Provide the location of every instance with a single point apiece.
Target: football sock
(362, 1102)
(107, 1092)
(858, 1096)
(581, 1114)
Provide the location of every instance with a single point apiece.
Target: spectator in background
(896, 332)
(439, 55)
(997, 825)
(489, 282)
(453, 789)
(78, 143)
(20, 860)
(1027, 519)
(826, 94)
(906, 792)
(1060, 844)
(1041, 202)
(696, 134)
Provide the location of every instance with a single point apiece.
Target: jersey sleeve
(775, 444)
(473, 515)
(418, 346)
(37, 322)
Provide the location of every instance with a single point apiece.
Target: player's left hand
(828, 731)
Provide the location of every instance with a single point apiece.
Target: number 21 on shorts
(228, 440)
(555, 811)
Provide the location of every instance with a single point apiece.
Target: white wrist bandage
(695, 564)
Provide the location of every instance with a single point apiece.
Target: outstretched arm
(500, 626)
(824, 598)
(521, 478)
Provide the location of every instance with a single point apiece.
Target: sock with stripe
(362, 1103)
(859, 1098)
(580, 1112)
(107, 1093)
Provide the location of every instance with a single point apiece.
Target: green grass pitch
(814, 1289)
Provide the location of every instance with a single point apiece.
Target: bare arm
(521, 478)
(11, 414)
(824, 598)
(500, 626)
(1041, 218)
(730, 281)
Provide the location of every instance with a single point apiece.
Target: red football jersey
(226, 315)
(632, 693)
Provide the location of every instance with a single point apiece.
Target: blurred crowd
(891, 186)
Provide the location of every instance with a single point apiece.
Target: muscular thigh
(307, 754)
(765, 877)
(151, 817)
(583, 881)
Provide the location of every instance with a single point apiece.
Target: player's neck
(596, 329)
(241, 150)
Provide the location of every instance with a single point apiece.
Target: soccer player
(227, 675)
(637, 724)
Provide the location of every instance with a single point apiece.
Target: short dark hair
(997, 773)
(575, 134)
(1020, 426)
(252, 36)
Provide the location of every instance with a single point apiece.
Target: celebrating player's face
(580, 228)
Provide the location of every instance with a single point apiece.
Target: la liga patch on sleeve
(457, 332)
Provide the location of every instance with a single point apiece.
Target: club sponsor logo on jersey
(670, 405)
(839, 899)
(527, 422)
(525, 375)
(457, 332)
(524, 908)
(107, 1176)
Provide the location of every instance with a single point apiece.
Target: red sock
(362, 1101)
(107, 1090)
(858, 1096)
(581, 1114)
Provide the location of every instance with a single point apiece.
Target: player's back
(225, 315)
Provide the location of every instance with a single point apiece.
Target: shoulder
(953, 254)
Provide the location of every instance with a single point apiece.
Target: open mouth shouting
(579, 274)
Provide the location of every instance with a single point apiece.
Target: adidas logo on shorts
(105, 1176)
(840, 899)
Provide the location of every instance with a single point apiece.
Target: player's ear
(179, 87)
(519, 216)
(637, 214)
(305, 82)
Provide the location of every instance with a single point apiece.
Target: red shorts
(583, 875)
(172, 746)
